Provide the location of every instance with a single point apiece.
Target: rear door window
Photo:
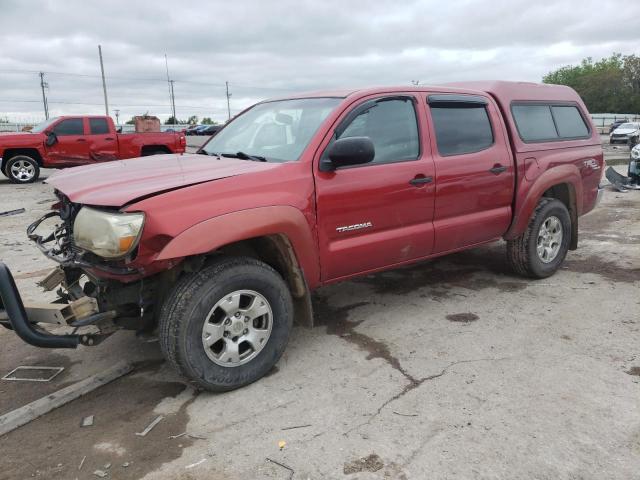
(461, 127)
(70, 126)
(98, 126)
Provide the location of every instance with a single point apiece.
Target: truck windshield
(277, 131)
(43, 125)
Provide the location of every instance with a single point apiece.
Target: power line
(151, 79)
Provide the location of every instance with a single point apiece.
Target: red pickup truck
(218, 252)
(62, 142)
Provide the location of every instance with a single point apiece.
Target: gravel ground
(454, 368)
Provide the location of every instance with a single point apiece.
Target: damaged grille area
(58, 244)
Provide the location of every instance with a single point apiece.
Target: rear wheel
(22, 169)
(228, 324)
(541, 249)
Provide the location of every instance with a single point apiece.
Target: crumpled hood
(117, 183)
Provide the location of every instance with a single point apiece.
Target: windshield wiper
(244, 156)
(211, 154)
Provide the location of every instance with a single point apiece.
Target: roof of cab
(505, 92)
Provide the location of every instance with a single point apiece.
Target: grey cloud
(266, 48)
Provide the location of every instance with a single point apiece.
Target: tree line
(610, 85)
(192, 120)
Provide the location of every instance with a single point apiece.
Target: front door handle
(419, 181)
(109, 139)
(498, 169)
(81, 140)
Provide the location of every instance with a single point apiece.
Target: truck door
(474, 171)
(102, 144)
(380, 213)
(71, 147)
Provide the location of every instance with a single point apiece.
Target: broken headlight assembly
(107, 234)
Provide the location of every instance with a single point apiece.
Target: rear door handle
(418, 181)
(81, 140)
(498, 169)
(109, 139)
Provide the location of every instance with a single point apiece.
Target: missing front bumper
(23, 321)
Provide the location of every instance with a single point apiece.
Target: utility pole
(104, 83)
(170, 85)
(173, 103)
(44, 85)
(228, 104)
(117, 112)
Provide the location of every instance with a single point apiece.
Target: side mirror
(348, 151)
(51, 139)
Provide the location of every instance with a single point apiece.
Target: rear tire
(541, 249)
(22, 169)
(226, 325)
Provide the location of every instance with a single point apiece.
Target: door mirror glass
(51, 139)
(349, 151)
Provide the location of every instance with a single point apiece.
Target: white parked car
(624, 131)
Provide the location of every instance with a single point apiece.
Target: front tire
(22, 169)
(541, 249)
(228, 324)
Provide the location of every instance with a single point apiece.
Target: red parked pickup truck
(77, 140)
(219, 251)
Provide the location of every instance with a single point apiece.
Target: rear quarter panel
(130, 144)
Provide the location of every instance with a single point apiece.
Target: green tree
(208, 121)
(174, 121)
(193, 120)
(131, 121)
(610, 85)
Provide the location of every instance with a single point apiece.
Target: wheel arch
(279, 236)
(9, 153)
(563, 183)
(151, 149)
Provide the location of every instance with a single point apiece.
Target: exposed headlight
(107, 234)
(635, 152)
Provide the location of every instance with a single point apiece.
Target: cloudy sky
(268, 48)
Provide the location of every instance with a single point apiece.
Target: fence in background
(17, 127)
(600, 120)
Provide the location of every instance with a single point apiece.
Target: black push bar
(12, 303)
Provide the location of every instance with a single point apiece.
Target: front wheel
(228, 324)
(541, 249)
(22, 169)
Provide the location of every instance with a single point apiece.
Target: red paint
(195, 204)
(86, 149)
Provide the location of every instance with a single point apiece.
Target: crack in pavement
(413, 384)
(337, 323)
